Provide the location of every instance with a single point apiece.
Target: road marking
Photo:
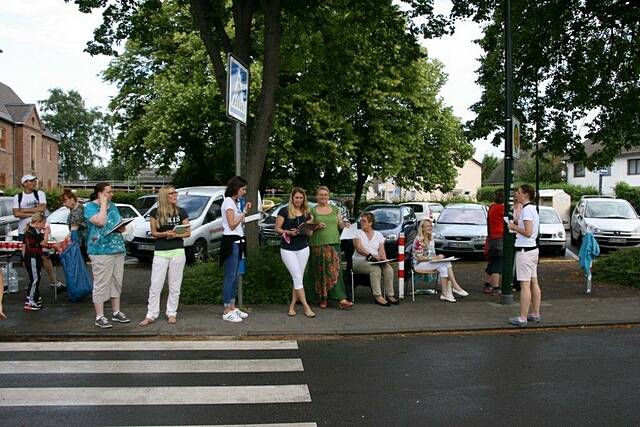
(149, 366)
(571, 254)
(148, 345)
(247, 425)
(128, 396)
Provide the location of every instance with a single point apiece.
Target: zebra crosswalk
(155, 374)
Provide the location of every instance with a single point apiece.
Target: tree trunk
(361, 179)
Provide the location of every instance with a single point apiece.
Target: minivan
(203, 205)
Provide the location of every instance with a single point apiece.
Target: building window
(33, 152)
(633, 167)
(50, 152)
(578, 170)
(42, 148)
(3, 138)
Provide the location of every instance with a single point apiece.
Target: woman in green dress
(324, 261)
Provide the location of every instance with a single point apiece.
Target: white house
(467, 183)
(625, 167)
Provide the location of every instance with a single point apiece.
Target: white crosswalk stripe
(53, 394)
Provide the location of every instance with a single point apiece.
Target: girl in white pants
(294, 245)
(168, 223)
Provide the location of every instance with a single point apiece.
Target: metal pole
(507, 268)
(600, 183)
(240, 302)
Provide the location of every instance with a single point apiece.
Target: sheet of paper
(349, 232)
(254, 217)
(383, 262)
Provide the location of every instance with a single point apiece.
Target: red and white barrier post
(401, 266)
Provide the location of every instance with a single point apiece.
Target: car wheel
(197, 253)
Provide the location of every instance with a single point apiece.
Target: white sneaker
(241, 313)
(447, 298)
(232, 316)
(461, 292)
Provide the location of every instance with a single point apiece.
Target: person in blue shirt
(106, 250)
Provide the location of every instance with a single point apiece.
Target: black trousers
(33, 265)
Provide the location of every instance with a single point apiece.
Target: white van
(203, 205)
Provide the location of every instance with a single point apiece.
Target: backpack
(35, 194)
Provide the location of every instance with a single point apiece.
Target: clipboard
(383, 262)
(308, 227)
(122, 223)
(182, 228)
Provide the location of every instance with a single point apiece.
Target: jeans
(231, 274)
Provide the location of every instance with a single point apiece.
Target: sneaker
(496, 291)
(32, 306)
(447, 298)
(461, 293)
(58, 285)
(119, 316)
(488, 289)
(516, 321)
(241, 313)
(533, 318)
(232, 316)
(102, 322)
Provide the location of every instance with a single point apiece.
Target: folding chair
(427, 277)
(354, 278)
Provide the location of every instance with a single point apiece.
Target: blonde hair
(305, 205)
(37, 217)
(166, 209)
(322, 187)
(421, 234)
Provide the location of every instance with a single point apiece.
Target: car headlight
(478, 239)
(438, 236)
(391, 238)
(561, 235)
(592, 228)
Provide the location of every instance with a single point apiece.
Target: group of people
(309, 235)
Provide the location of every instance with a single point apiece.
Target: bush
(266, 281)
(629, 193)
(485, 193)
(621, 267)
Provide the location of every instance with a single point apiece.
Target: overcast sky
(43, 45)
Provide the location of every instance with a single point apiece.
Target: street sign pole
(508, 238)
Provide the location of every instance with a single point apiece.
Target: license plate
(146, 247)
(617, 240)
(458, 245)
(544, 243)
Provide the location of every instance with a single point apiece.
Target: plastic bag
(79, 280)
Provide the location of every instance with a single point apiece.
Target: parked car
(144, 203)
(551, 236)
(60, 230)
(613, 222)
(425, 210)
(6, 216)
(461, 228)
(266, 227)
(203, 205)
(436, 209)
(390, 221)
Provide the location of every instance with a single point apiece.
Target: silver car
(461, 227)
(613, 222)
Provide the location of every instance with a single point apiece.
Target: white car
(57, 220)
(203, 205)
(425, 210)
(552, 236)
(613, 222)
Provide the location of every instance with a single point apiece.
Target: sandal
(323, 304)
(292, 313)
(146, 322)
(172, 320)
(345, 304)
(310, 314)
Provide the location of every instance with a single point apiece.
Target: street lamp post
(507, 266)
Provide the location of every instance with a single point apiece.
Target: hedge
(53, 196)
(485, 193)
(266, 281)
(629, 193)
(621, 267)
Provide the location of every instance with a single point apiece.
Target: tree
(575, 73)
(82, 131)
(550, 170)
(489, 164)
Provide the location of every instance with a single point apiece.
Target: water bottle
(7, 233)
(12, 279)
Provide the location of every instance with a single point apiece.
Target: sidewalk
(565, 304)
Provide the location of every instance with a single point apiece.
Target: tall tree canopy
(576, 72)
(82, 131)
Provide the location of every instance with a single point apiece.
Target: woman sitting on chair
(369, 248)
(424, 255)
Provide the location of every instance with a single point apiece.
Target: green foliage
(621, 267)
(629, 193)
(128, 197)
(489, 164)
(267, 281)
(82, 131)
(485, 193)
(550, 170)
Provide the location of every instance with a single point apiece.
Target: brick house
(26, 147)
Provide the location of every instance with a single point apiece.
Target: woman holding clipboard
(169, 226)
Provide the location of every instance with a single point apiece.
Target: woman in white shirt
(426, 260)
(369, 248)
(233, 245)
(527, 253)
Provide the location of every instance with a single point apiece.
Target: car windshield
(59, 216)
(549, 217)
(467, 216)
(609, 209)
(386, 218)
(194, 205)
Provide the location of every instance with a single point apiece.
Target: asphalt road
(586, 377)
